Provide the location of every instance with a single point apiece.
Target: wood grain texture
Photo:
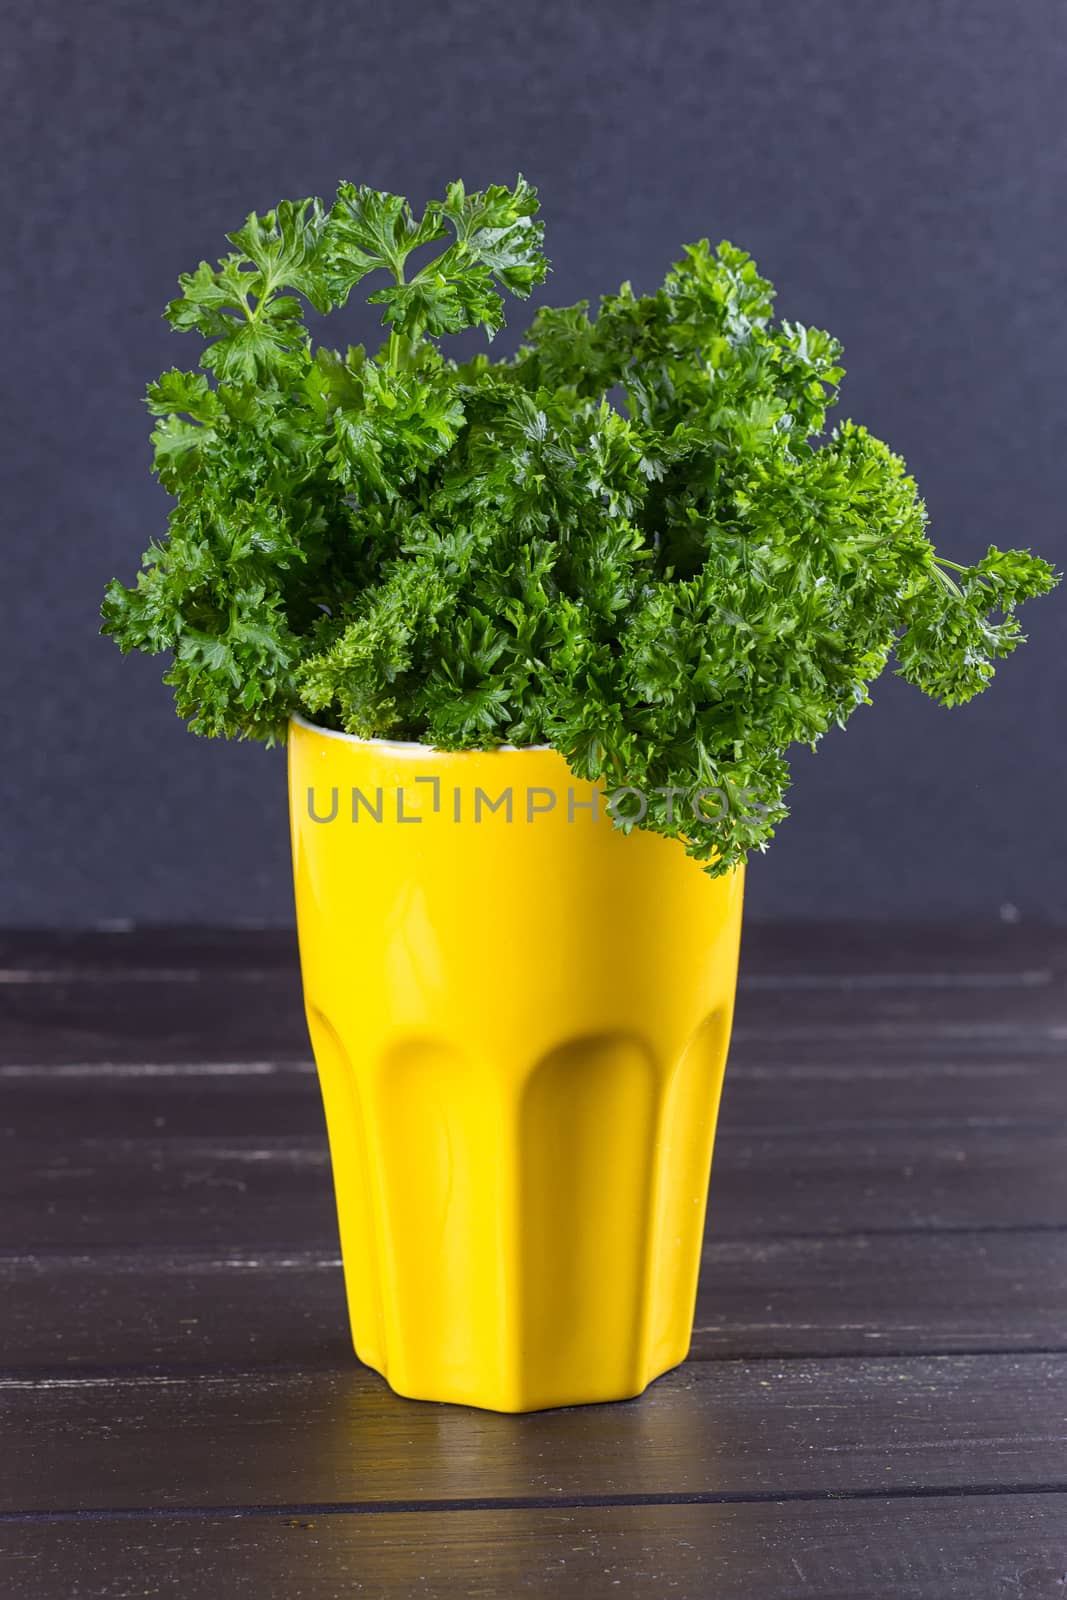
(277, 1192)
(882, 1313)
(906, 1549)
(57, 1018)
(111, 1017)
(873, 1090)
(965, 949)
(765, 1092)
(169, 996)
(786, 948)
(210, 1440)
(853, 1295)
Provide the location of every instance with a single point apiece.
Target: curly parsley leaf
(496, 242)
(634, 541)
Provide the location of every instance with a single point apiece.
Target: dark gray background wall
(898, 167)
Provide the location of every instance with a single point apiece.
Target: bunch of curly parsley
(633, 541)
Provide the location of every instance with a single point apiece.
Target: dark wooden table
(876, 1400)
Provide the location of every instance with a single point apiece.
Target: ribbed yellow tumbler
(520, 1017)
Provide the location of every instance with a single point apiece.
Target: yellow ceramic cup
(520, 1017)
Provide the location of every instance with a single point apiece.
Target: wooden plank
(172, 996)
(254, 1014)
(91, 1193)
(803, 946)
(904, 1293)
(274, 1193)
(160, 1307)
(881, 1090)
(185, 1100)
(957, 1548)
(873, 1293)
(763, 1094)
(131, 949)
(887, 1181)
(112, 1018)
(134, 1027)
(117, 1024)
(786, 949)
(260, 1438)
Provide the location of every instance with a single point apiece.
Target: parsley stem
(943, 578)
